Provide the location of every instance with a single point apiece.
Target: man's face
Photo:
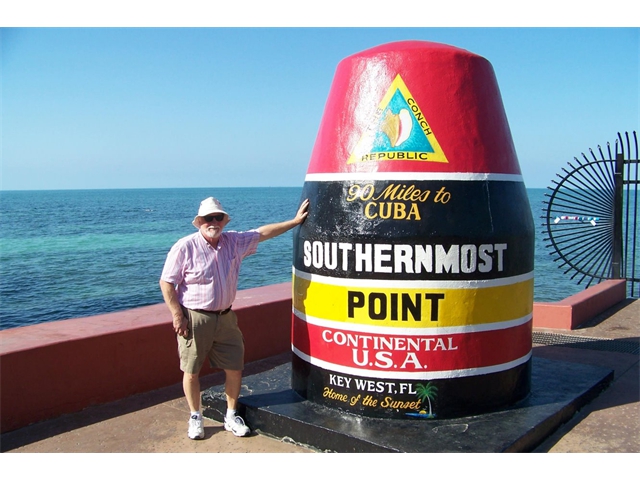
(211, 225)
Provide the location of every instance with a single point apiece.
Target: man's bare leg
(191, 387)
(232, 386)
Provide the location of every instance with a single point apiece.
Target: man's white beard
(211, 232)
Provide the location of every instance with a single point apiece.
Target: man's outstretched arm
(275, 229)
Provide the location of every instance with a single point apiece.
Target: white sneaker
(237, 426)
(196, 430)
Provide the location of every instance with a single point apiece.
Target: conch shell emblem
(397, 127)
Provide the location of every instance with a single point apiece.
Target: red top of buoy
(414, 106)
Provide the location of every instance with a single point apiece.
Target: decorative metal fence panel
(591, 218)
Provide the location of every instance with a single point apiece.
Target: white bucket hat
(207, 207)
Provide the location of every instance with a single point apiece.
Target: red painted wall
(573, 311)
(61, 367)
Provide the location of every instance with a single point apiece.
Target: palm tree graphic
(426, 392)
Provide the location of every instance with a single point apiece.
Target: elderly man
(199, 283)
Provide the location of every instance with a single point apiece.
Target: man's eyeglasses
(218, 217)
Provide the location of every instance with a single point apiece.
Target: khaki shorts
(212, 336)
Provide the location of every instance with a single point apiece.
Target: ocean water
(76, 253)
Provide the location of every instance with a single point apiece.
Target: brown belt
(216, 312)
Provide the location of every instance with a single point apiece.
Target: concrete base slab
(269, 406)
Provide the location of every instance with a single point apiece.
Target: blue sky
(212, 107)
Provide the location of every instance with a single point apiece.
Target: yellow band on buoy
(403, 305)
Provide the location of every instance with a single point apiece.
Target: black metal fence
(591, 218)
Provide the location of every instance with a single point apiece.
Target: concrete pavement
(611, 422)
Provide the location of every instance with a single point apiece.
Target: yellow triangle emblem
(398, 131)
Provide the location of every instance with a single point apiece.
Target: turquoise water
(67, 254)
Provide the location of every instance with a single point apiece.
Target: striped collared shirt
(206, 278)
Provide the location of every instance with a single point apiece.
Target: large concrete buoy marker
(413, 274)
